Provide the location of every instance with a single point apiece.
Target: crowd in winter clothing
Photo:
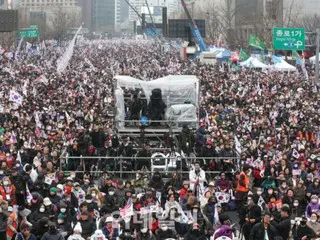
(259, 130)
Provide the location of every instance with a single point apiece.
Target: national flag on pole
(274, 89)
(42, 79)
(243, 55)
(15, 97)
(127, 210)
(256, 42)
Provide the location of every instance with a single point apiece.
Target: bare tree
(7, 39)
(61, 20)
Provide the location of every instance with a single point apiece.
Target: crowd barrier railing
(171, 164)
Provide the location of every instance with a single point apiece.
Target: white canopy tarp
(253, 63)
(313, 59)
(175, 89)
(284, 66)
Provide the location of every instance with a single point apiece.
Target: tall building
(47, 12)
(86, 9)
(105, 15)
(137, 5)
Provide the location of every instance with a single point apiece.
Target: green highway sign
(33, 26)
(29, 33)
(289, 38)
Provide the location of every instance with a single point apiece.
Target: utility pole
(316, 81)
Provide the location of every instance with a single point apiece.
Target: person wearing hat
(77, 230)
(54, 198)
(225, 230)
(63, 225)
(184, 190)
(242, 186)
(313, 206)
(195, 233)
(70, 198)
(88, 225)
(145, 234)
(12, 223)
(164, 232)
(52, 233)
(249, 215)
(264, 227)
(110, 230)
(284, 225)
(301, 230)
(92, 206)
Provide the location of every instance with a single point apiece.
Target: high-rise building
(86, 9)
(105, 15)
(137, 5)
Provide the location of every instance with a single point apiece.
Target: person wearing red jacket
(184, 190)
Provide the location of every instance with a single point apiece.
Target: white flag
(65, 58)
(237, 144)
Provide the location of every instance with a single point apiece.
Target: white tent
(180, 93)
(313, 59)
(284, 66)
(253, 63)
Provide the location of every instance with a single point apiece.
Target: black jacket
(3, 222)
(88, 227)
(283, 227)
(258, 231)
(303, 231)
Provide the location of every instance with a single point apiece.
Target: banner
(65, 58)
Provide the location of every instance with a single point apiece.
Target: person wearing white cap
(12, 223)
(98, 235)
(77, 230)
(109, 230)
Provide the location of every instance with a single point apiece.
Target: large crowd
(258, 130)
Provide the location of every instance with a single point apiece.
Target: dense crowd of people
(258, 130)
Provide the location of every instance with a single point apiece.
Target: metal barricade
(121, 171)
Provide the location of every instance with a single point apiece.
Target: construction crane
(194, 28)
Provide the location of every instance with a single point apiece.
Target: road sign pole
(316, 81)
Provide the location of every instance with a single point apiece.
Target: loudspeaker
(8, 20)
(178, 28)
(164, 22)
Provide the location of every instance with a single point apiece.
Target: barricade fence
(148, 165)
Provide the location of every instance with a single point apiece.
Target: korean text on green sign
(29, 33)
(289, 38)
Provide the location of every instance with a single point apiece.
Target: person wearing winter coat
(260, 229)
(88, 225)
(109, 231)
(313, 206)
(164, 232)
(197, 177)
(145, 234)
(195, 233)
(3, 224)
(52, 233)
(76, 233)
